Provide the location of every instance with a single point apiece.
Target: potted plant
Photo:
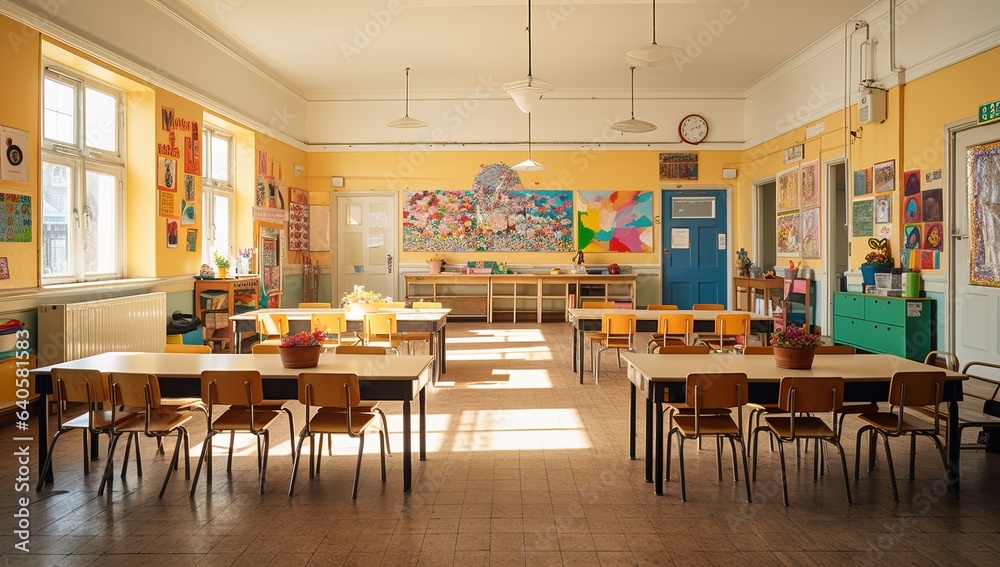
(878, 261)
(301, 350)
(221, 262)
(363, 300)
(794, 347)
(434, 264)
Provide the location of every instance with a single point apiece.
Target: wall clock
(693, 129)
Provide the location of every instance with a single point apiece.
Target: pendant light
(406, 121)
(527, 92)
(633, 126)
(529, 164)
(654, 55)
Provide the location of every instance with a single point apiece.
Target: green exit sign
(989, 112)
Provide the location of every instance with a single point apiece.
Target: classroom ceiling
(344, 50)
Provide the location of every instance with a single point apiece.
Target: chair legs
(888, 456)
(817, 462)
(733, 440)
(318, 450)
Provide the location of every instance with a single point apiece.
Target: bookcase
(218, 299)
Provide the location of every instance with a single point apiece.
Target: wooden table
(381, 377)
(753, 286)
(584, 320)
(662, 379)
(431, 321)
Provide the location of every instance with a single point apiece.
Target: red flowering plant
(303, 339)
(794, 336)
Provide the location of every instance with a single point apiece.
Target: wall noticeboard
(863, 217)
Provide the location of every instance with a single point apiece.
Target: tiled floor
(525, 467)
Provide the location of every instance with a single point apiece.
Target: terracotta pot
(300, 357)
(434, 267)
(799, 358)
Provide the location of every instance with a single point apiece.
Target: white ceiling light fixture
(654, 55)
(633, 126)
(528, 91)
(406, 121)
(529, 164)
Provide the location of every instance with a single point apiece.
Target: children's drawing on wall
(615, 221)
(788, 189)
(268, 193)
(192, 151)
(192, 240)
(911, 209)
(911, 182)
(911, 236)
(187, 212)
(931, 205)
(883, 208)
(811, 233)
(298, 220)
(166, 118)
(172, 233)
(15, 217)
(933, 236)
(809, 180)
(884, 176)
(787, 234)
(166, 174)
(189, 188)
(862, 217)
(167, 203)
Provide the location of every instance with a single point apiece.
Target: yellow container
(8, 372)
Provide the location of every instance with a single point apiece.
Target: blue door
(694, 248)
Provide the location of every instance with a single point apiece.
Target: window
(83, 172)
(218, 197)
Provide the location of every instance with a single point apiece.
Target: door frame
(335, 266)
(951, 131)
(730, 194)
(828, 264)
(755, 211)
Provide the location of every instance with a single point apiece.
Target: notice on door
(680, 238)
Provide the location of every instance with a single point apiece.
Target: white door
(365, 251)
(976, 311)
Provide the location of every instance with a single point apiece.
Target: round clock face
(693, 129)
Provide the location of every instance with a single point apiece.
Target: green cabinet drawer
(885, 310)
(849, 305)
(890, 339)
(848, 331)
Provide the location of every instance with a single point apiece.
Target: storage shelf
(216, 300)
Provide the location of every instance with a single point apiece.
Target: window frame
(212, 187)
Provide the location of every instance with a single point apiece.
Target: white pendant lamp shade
(529, 90)
(406, 121)
(654, 55)
(633, 126)
(529, 164)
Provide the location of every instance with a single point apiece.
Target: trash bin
(184, 328)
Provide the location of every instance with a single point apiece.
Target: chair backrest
(264, 349)
(758, 350)
(392, 305)
(675, 323)
(80, 386)
(359, 349)
(811, 394)
(427, 305)
(314, 305)
(380, 324)
(597, 305)
(683, 349)
(942, 359)
(131, 389)
(708, 307)
(835, 349)
(732, 324)
(661, 307)
(191, 349)
(329, 323)
(272, 324)
(916, 388)
(618, 323)
(231, 387)
(329, 389)
(717, 390)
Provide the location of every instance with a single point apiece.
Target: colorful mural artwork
(498, 214)
(984, 220)
(615, 221)
(788, 237)
(15, 217)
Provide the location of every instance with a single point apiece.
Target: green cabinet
(890, 325)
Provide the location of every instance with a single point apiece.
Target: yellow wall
(20, 99)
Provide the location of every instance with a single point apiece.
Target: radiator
(70, 331)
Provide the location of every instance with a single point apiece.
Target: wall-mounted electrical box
(871, 106)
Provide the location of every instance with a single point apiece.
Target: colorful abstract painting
(788, 235)
(615, 221)
(15, 217)
(498, 214)
(984, 220)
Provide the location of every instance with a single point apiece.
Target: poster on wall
(809, 181)
(166, 174)
(883, 208)
(189, 188)
(884, 176)
(911, 182)
(269, 193)
(788, 190)
(862, 182)
(13, 154)
(911, 208)
(172, 233)
(787, 234)
(192, 151)
(187, 212)
(678, 165)
(984, 218)
(15, 217)
(862, 217)
(615, 221)
(167, 203)
(298, 219)
(930, 202)
(192, 240)
(811, 234)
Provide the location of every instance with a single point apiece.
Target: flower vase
(223, 272)
(868, 273)
(300, 357)
(796, 358)
(363, 308)
(434, 267)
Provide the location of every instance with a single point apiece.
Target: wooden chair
(593, 337)
(731, 331)
(380, 330)
(265, 349)
(619, 334)
(340, 395)
(708, 307)
(597, 305)
(372, 406)
(906, 389)
(671, 328)
(683, 349)
(661, 307)
(190, 349)
(360, 349)
(388, 305)
(271, 327)
(427, 305)
(335, 327)
(798, 396)
(314, 305)
(241, 390)
(712, 396)
(157, 421)
(86, 387)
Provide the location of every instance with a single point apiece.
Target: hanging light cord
(654, 24)
(529, 48)
(529, 135)
(406, 97)
(632, 68)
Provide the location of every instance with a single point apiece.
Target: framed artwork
(166, 174)
(15, 218)
(788, 190)
(911, 236)
(172, 233)
(883, 209)
(788, 234)
(862, 182)
(862, 217)
(678, 165)
(911, 209)
(911, 182)
(4, 268)
(615, 221)
(930, 203)
(984, 219)
(811, 234)
(933, 236)
(192, 240)
(298, 219)
(809, 181)
(884, 176)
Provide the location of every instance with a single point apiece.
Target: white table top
(186, 365)
(304, 314)
(654, 314)
(852, 367)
